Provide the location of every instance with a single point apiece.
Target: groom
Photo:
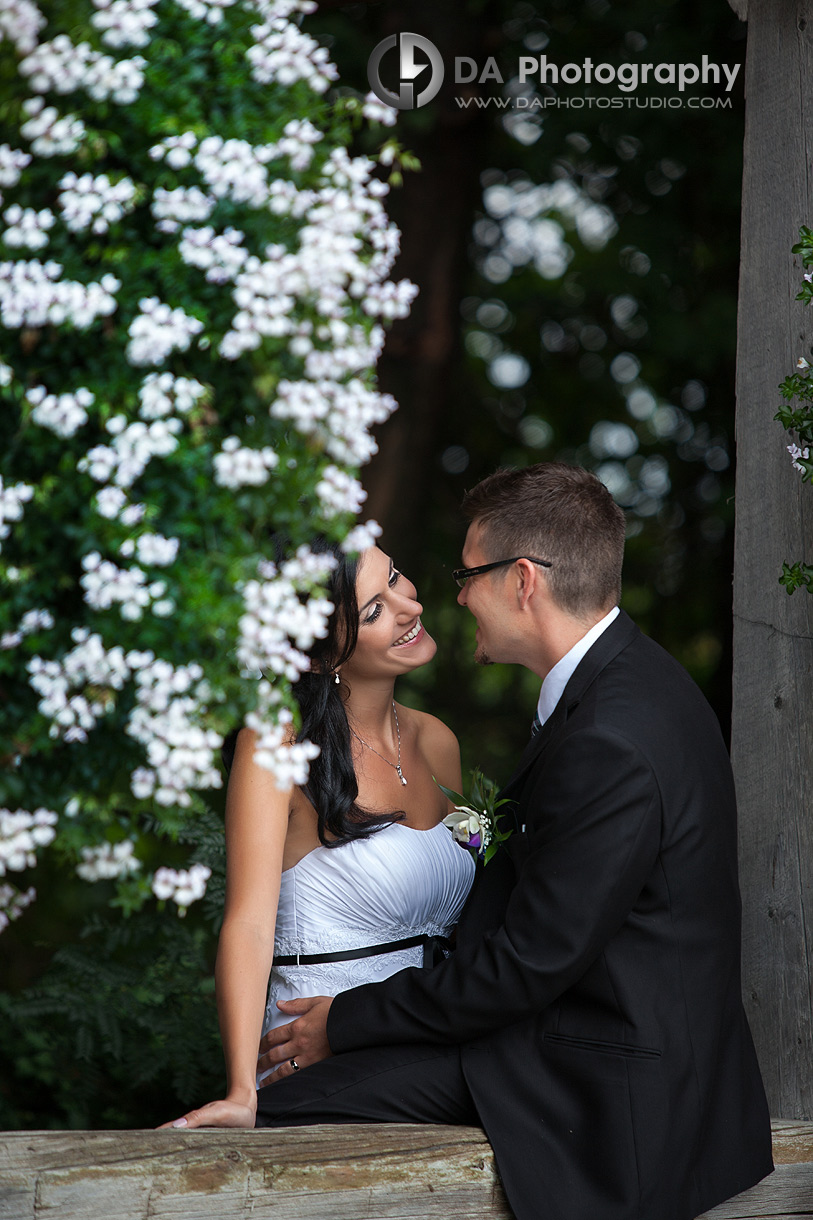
(591, 1018)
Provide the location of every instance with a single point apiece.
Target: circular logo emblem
(406, 98)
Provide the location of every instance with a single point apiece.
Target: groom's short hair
(560, 513)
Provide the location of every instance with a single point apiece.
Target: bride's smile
(411, 636)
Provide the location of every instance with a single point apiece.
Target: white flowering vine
(194, 286)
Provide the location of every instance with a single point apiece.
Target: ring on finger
(294, 1064)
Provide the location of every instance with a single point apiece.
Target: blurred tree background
(578, 276)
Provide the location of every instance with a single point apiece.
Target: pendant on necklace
(401, 775)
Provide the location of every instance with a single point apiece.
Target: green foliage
(120, 1028)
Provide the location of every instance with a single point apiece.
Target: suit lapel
(617, 636)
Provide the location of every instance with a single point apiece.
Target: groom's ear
(527, 576)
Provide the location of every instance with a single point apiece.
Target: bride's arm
(256, 825)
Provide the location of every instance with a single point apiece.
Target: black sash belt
(435, 949)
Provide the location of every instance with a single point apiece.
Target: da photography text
(416, 64)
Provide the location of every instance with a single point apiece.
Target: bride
(354, 876)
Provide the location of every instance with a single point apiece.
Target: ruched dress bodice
(398, 883)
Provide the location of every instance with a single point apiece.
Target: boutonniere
(474, 821)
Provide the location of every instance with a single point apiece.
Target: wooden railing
(375, 1171)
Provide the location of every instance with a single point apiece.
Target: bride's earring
(336, 678)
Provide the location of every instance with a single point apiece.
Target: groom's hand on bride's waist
(299, 1044)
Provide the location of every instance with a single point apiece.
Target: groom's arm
(594, 833)
(593, 816)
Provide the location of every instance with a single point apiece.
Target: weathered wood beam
(772, 723)
(364, 1172)
(369, 1171)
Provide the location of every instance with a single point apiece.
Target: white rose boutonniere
(474, 821)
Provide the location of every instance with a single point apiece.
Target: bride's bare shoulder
(436, 742)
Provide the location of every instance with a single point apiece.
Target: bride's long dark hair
(332, 787)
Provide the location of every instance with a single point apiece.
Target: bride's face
(391, 638)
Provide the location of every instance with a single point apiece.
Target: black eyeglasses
(461, 575)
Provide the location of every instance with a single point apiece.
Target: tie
(536, 724)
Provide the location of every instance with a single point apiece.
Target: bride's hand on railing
(227, 1112)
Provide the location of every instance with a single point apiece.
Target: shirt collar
(558, 678)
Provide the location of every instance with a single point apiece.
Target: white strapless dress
(397, 884)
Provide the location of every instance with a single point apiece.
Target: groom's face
(484, 596)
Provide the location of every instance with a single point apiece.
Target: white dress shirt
(558, 678)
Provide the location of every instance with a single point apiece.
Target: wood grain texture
(363, 1172)
(772, 726)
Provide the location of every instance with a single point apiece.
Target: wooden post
(772, 726)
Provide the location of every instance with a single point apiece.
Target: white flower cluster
(175, 150)
(171, 209)
(181, 756)
(61, 413)
(161, 394)
(265, 293)
(61, 66)
(206, 10)
(796, 453)
(108, 860)
(12, 498)
(278, 626)
(79, 688)
(124, 23)
(338, 415)
(95, 203)
(152, 549)
(377, 111)
(21, 833)
(238, 466)
(284, 199)
(21, 22)
(298, 139)
(351, 349)
(106, 585)
(362, 537)
(12, 163)
(13, 902)
(220, 255)
(27, 228)
(134, 445)
(282, 53)
(183, 887)
(33, 295)
(234, 169)
(32, 621)
(330, 262)
(158, 330)
(287, 760)
(111, 502)
(51, 134)
(339, 492)
(389, 300)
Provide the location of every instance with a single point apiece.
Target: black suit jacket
(595, 990)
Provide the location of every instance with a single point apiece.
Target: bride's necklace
(395, 766)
